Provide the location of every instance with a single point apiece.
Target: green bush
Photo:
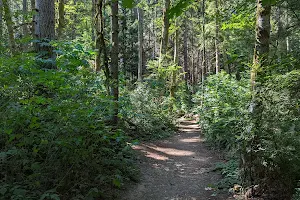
(148, 111)
(223, 107)
(269, 157)
(54, 140)
(277, 152)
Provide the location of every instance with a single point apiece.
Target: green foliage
(222, 107)
(55, 143)
(231, 174)
(167, 78)
(128, 3)
(271, 156)
(269, 2)
(277, 152)
(148, 111)
(239, 21)
(179, 8)
(297, 194)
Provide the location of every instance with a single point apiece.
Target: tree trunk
(198, 67)
(100, 43)
(261, 51)
(61, 18)
(217, 37)
(93, 19)
(204, 67)
(258, 73)
(123, 44)
(154, 32)
(45, 26)
(287, 37)
(185, 52)
(98, 27)
(25, 12)
(141, 43)
(32, 4)
(176, 45)
(192, 74)
(166, 25)
(174, 72)
(115, 58)
(10, 25)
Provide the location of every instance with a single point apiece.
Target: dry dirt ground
(178, 168)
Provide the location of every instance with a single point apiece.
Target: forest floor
(178, 168)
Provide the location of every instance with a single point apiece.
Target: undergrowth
(272, 161)
(56, 142)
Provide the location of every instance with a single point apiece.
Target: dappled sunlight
(179, 168)
(155, 152)
(189, 130)
(155, 156)
(148, 153)
(189, 126)
(192, 140)
(171, 151)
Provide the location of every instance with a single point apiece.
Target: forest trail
(178, 168)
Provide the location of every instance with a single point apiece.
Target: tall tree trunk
(185, 52)
(100, 44)
(123, 42)
(61, 18)
(287, 37)
(93, 19)
(141, 43)
(261, 51)
(98, 27)
(166, 25)
(10, 25)
(45, 25)
(192, 71)
(198, 67)
(217, 37)
(260, 58)
(176, 45)
(115, 58)
(174, 72)
(32, 5)
(154, 32)
(25, 12)
(204, 66)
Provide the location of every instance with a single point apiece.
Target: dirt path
(178, 168)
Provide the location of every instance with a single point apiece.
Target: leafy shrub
(277, 154)
(271, 157)
(231, 174)
(222, 107)
(54, 140)
(149, 112)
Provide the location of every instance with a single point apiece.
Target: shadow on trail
(179, 168)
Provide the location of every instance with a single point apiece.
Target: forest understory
(91, 93)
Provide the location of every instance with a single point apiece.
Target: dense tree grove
(82, 81)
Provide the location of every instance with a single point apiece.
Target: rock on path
(178, 168)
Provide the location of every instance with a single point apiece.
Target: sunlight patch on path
(192, 140)
(177, 168)
(150, 154)
(189, 130)
(171, 151)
